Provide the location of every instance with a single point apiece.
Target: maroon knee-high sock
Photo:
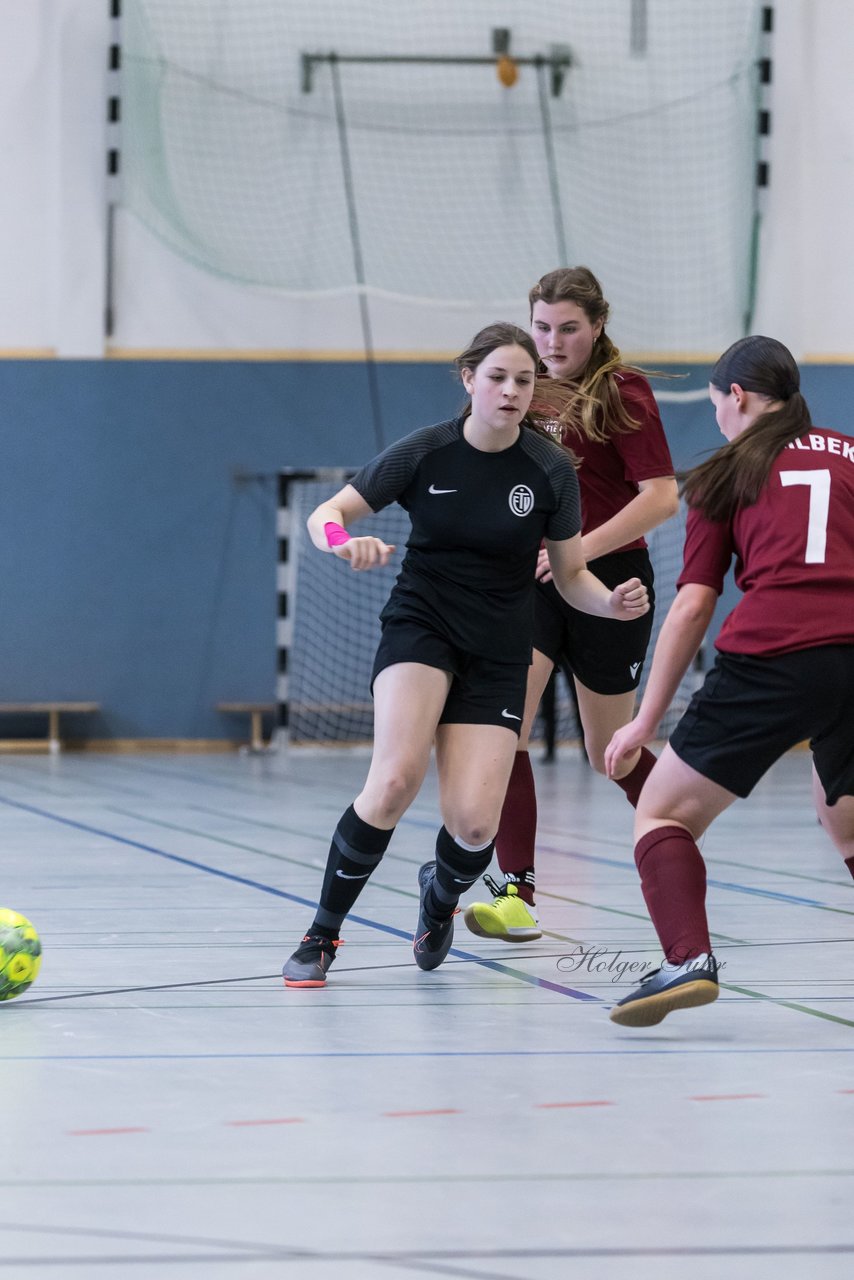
(849, 862)
(517, 830)
(673, 880)
(633, 782)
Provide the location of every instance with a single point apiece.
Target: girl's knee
(595, 753)
(389, 795)
(474, 830)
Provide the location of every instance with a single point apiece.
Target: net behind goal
(329, 620)
(377, 147)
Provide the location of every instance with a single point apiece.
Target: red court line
(723, 1097)
(439, 1111)
(244, 1124)
(88, 1133)
(593, 1102)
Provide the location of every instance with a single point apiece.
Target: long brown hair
(504, 334)
(592, 405)
(734, 477)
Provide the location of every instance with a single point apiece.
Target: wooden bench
(256, 712)
(52, 710)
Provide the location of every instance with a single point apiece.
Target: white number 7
(819, 486)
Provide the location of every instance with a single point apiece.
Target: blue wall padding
(138, 573)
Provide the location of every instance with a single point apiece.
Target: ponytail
(733, 478)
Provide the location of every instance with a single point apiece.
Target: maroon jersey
(794, 550)
(609, 473)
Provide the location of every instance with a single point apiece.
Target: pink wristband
(335, 535)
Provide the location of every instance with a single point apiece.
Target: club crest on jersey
(521, 500)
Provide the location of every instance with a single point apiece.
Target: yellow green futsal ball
(20, 954)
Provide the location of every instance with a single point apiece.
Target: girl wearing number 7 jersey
(779, 497)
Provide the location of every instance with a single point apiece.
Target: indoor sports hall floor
(169, 1109)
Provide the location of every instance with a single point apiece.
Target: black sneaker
(308, 965)
(433, 938)
(693, 983)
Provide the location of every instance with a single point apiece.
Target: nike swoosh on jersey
(433, 489)
(508, 715)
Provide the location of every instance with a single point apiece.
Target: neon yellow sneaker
(508, 917)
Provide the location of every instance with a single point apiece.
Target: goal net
(329, 621)
(317, 148)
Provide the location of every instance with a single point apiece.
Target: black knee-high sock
(457, 869)
(356, 849)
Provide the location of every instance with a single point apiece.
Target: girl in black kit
(482, 491)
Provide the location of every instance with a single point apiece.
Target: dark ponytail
(734, 477)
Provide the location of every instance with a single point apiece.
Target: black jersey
(478, 520)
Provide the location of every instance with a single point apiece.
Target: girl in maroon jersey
(780, 498)
(606, 414)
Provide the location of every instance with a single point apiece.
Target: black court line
(496, 966)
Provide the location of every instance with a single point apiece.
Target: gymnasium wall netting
(376, 147)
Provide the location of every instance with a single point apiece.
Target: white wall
(28, 168)
(53, 139)
(807, 249)
(827, 177)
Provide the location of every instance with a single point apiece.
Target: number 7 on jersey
(819, 487)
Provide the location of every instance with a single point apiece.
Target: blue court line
(495, 965)
(622, 1052)
(408, 819)
(717, 884)
(218, 782)
(74, 782)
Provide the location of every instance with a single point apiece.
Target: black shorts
(751, 710)
(607, 656)
(482, 691)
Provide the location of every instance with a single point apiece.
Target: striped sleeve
(382, 481)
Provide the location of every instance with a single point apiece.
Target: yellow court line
(28, 353)
(284, 355)
(348, 356)
(290, 355)
(329, 356)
